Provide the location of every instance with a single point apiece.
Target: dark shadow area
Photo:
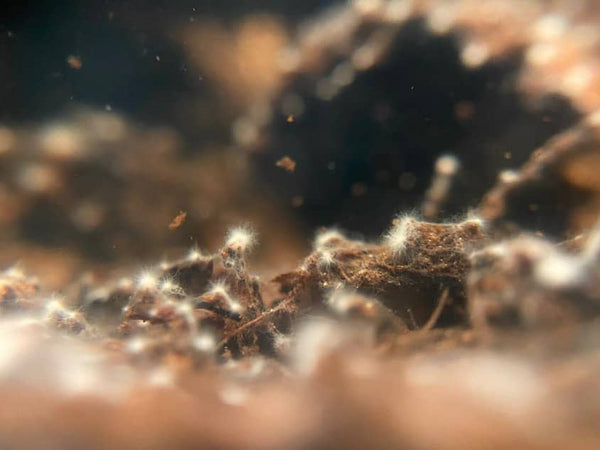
(369, 153)
(130, 60)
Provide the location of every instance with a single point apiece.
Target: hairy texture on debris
(434, 257)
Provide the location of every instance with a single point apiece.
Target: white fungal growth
(327, 238)
(220, 290)
(397, 237)
(241, 239)
(168, 286)
(239, 243)
(194, 254)
(147, 281)
(55, 305)
(186, 310)
(325, 259)
(474, 219)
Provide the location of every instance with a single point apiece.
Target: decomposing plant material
(287, 164)
(407, 272)
(178, 220)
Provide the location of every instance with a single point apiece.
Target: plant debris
(287, 164)
(178, 220)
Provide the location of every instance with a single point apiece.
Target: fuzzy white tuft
(55, 305)
(474, 218)
(397, 237)
(241, 238)
(147, 281)
(220, 289)
(169, 287)
(194, 255)
(325, 260)
(327, 238)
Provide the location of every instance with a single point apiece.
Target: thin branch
(263, 316)
(437, 311)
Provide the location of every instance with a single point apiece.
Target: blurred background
(117, 116)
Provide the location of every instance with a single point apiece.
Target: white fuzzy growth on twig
(168, 286)
(147, 281)
(325, 260)
(220, 290)
(194, 255)
(328, 238)
(474, 218)
(397, 237)
(242, 239)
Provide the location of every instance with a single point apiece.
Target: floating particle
(287, 164)
(74, 62)
(359, 189)
(290, 119)
(464, 110)
(178, 220)
(407, 181)
(297, 201)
